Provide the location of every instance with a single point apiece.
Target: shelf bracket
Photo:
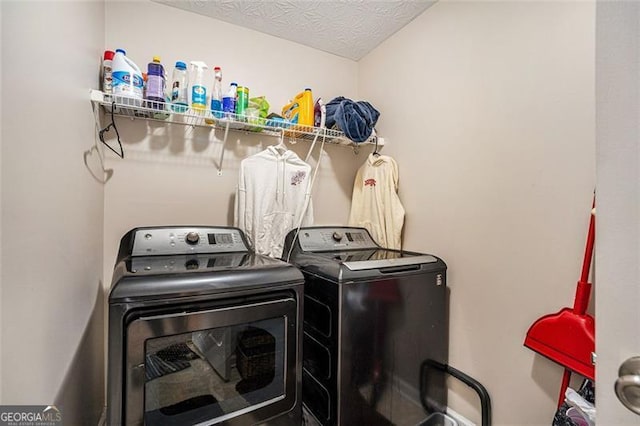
(224, 143)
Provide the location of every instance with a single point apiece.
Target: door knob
(628, 384)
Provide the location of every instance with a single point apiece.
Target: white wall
(490, 107)
(169, 176)
(52, 209)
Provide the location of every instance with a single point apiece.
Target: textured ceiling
(348, 28)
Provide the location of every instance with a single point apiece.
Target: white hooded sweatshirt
(273, 191)
(375, 204)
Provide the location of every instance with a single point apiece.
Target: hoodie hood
(376, 160)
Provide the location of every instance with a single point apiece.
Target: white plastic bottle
(180, 88)
(127, 80)
(198, 88)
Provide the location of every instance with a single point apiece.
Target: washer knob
(192, 264)
(337, 236)
(192, 238)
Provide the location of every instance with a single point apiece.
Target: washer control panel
(332, 239)
(184, 263)
(186, 240)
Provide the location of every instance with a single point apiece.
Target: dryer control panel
(187, 240)
(335, 239)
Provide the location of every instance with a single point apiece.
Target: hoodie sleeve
(394, 210)
(355, 215)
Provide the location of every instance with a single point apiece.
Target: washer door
(209, 366)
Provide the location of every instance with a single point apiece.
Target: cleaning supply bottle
(306, 108)
(198, 89)
(155, 84)
(127, 80)
(229, 100)
(242, 99)
(216, 95)
(107, 69)
(180, 87)
(320, 113)
(144, 84)
(143, 112)
(300, 109)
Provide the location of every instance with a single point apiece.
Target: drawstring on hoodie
(282, 179)
(280, 176)
(277, 178)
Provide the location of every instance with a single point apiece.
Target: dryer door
(209, 366)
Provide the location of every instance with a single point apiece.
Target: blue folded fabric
(355, 119)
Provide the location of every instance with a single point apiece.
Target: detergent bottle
(155, 84)
(127, 82)
(300, 109)
(198, 88)
(306, 108)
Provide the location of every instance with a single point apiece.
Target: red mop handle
(583, 290)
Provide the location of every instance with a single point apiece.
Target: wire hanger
(281, 147)
(375, 150)
(101, 133)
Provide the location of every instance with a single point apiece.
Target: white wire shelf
(187, 116)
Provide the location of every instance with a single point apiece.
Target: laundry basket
(439, 418)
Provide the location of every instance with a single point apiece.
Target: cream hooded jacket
(375, 204)
(273, 191)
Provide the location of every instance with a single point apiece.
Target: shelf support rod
(224, 143)
(313, 145)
